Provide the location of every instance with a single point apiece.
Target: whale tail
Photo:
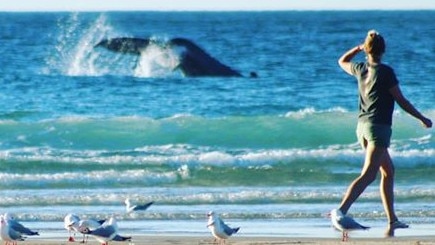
(194, 61)
(128, 45)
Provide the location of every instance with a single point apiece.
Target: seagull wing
(18, 227)
(142, 207)
(120, 238)
(347, 223)
(90, 224)
(14, 235)
(228, 230)
(107, 232)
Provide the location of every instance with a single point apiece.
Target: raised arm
(408, 107)
(344, 60)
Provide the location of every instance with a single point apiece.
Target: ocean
(83, 128)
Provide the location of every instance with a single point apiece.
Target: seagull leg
(83, 240)
(345, 236)
(71, 238)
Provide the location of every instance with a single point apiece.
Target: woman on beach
(378, 90)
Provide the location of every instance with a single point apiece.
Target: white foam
(302, 113)
(156, 61)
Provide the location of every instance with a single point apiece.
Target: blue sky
(182, 5)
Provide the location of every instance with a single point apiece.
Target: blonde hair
(374, 44)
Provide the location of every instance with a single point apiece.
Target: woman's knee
(387, 168)
(368, 177)
(387, 172)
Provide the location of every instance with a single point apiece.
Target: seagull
(7, 234)
(70, 223)
(106, 232)
(131, 208)
(218, 228)
(344, 223)
(87, 224)
(17, 226)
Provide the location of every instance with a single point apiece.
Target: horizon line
(214, 10)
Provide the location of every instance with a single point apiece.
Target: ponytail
(374, 44)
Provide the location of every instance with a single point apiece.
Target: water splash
(74, 54)
(157, 61)
(82, 62)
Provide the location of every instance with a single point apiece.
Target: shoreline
(252, 232)
(205, 240)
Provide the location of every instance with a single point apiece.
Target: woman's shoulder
(386, 69)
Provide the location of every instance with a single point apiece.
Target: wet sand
(201, 240)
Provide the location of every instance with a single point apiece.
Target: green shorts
(377, 134)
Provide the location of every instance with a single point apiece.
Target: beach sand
(201, 240)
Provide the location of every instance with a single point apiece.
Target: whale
(193, 60)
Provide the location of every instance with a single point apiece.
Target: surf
(298, 147)
(307, 128)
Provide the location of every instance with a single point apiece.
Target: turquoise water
(81, 128)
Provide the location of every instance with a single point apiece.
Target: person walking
(378, 90)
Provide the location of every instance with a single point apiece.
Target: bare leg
(372, 163)
(387, 187)
(387, 193)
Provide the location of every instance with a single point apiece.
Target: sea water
(82, 128)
